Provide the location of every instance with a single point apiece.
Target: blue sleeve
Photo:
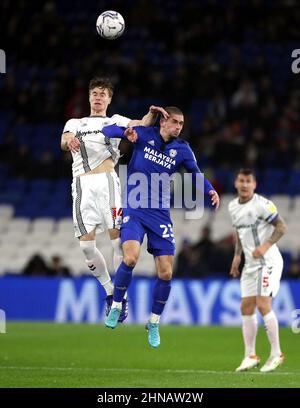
(191, 166)
(142, 132)
(114, 131)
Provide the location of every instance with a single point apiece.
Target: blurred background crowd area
(227, 65)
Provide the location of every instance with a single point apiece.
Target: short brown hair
(245, 172)
(105, 83)
(173, 110)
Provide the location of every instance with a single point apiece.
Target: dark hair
(246, 172)
(173, 110)
(105, 83)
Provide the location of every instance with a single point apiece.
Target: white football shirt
(94, 146)
(252, 221)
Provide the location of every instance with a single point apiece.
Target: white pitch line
(145, 370)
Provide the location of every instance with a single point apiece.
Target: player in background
(96, 187)
(155, 151)
(259, 227)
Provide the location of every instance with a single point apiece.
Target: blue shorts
(156, 224)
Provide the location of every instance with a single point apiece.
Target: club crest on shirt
(126, 219)
(172, 153)
(272, 208)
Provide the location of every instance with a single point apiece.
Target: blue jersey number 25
(167, 231)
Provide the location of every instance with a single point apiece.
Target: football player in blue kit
(156, 151)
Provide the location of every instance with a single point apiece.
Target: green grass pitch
(86, 355)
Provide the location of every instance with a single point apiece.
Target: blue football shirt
(152, 164)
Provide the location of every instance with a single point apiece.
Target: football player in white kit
(96, 188)
(258, 227)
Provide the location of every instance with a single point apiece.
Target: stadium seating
(24, 236)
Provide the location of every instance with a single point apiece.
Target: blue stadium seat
(225, 178)
(62, 185)
(274, 175)
(287, 258)
(41, 185)
(38, 198)
(15, 185)
(4, 124)
(10, 197)
(55, 212)
(198, 109)
(27, 210)
(23, 133)
(272, 181)
(292, 187)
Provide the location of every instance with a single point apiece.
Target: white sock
(249, 333)
(117, 252)
(99, 269)
(97, 265)
(154, 318)
(271, 326)
(116, 305)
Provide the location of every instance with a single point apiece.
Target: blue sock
(122, 281)
(161, 293)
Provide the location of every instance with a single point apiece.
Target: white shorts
(262, 281)
(96, 203)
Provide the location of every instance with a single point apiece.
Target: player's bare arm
(234, 271)
(215, 199)
(69, 142)
(279, 230)
(131, 134)
(150, 118)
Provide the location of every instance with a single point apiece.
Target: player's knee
(247, 309)
(264, 308)
(130, 260)
(165, 274)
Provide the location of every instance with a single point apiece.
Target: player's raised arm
(114, 132)
(191, 166)
(131, 134)
(119, 132)
(150, 118)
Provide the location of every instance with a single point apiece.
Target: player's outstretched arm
(131, 134)
(215, 199)
(69, 142)
(192, 167)
(114, 132)
(279, 230)
(208, 188)
(190, 164)
(234, 270)
(150, 118)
